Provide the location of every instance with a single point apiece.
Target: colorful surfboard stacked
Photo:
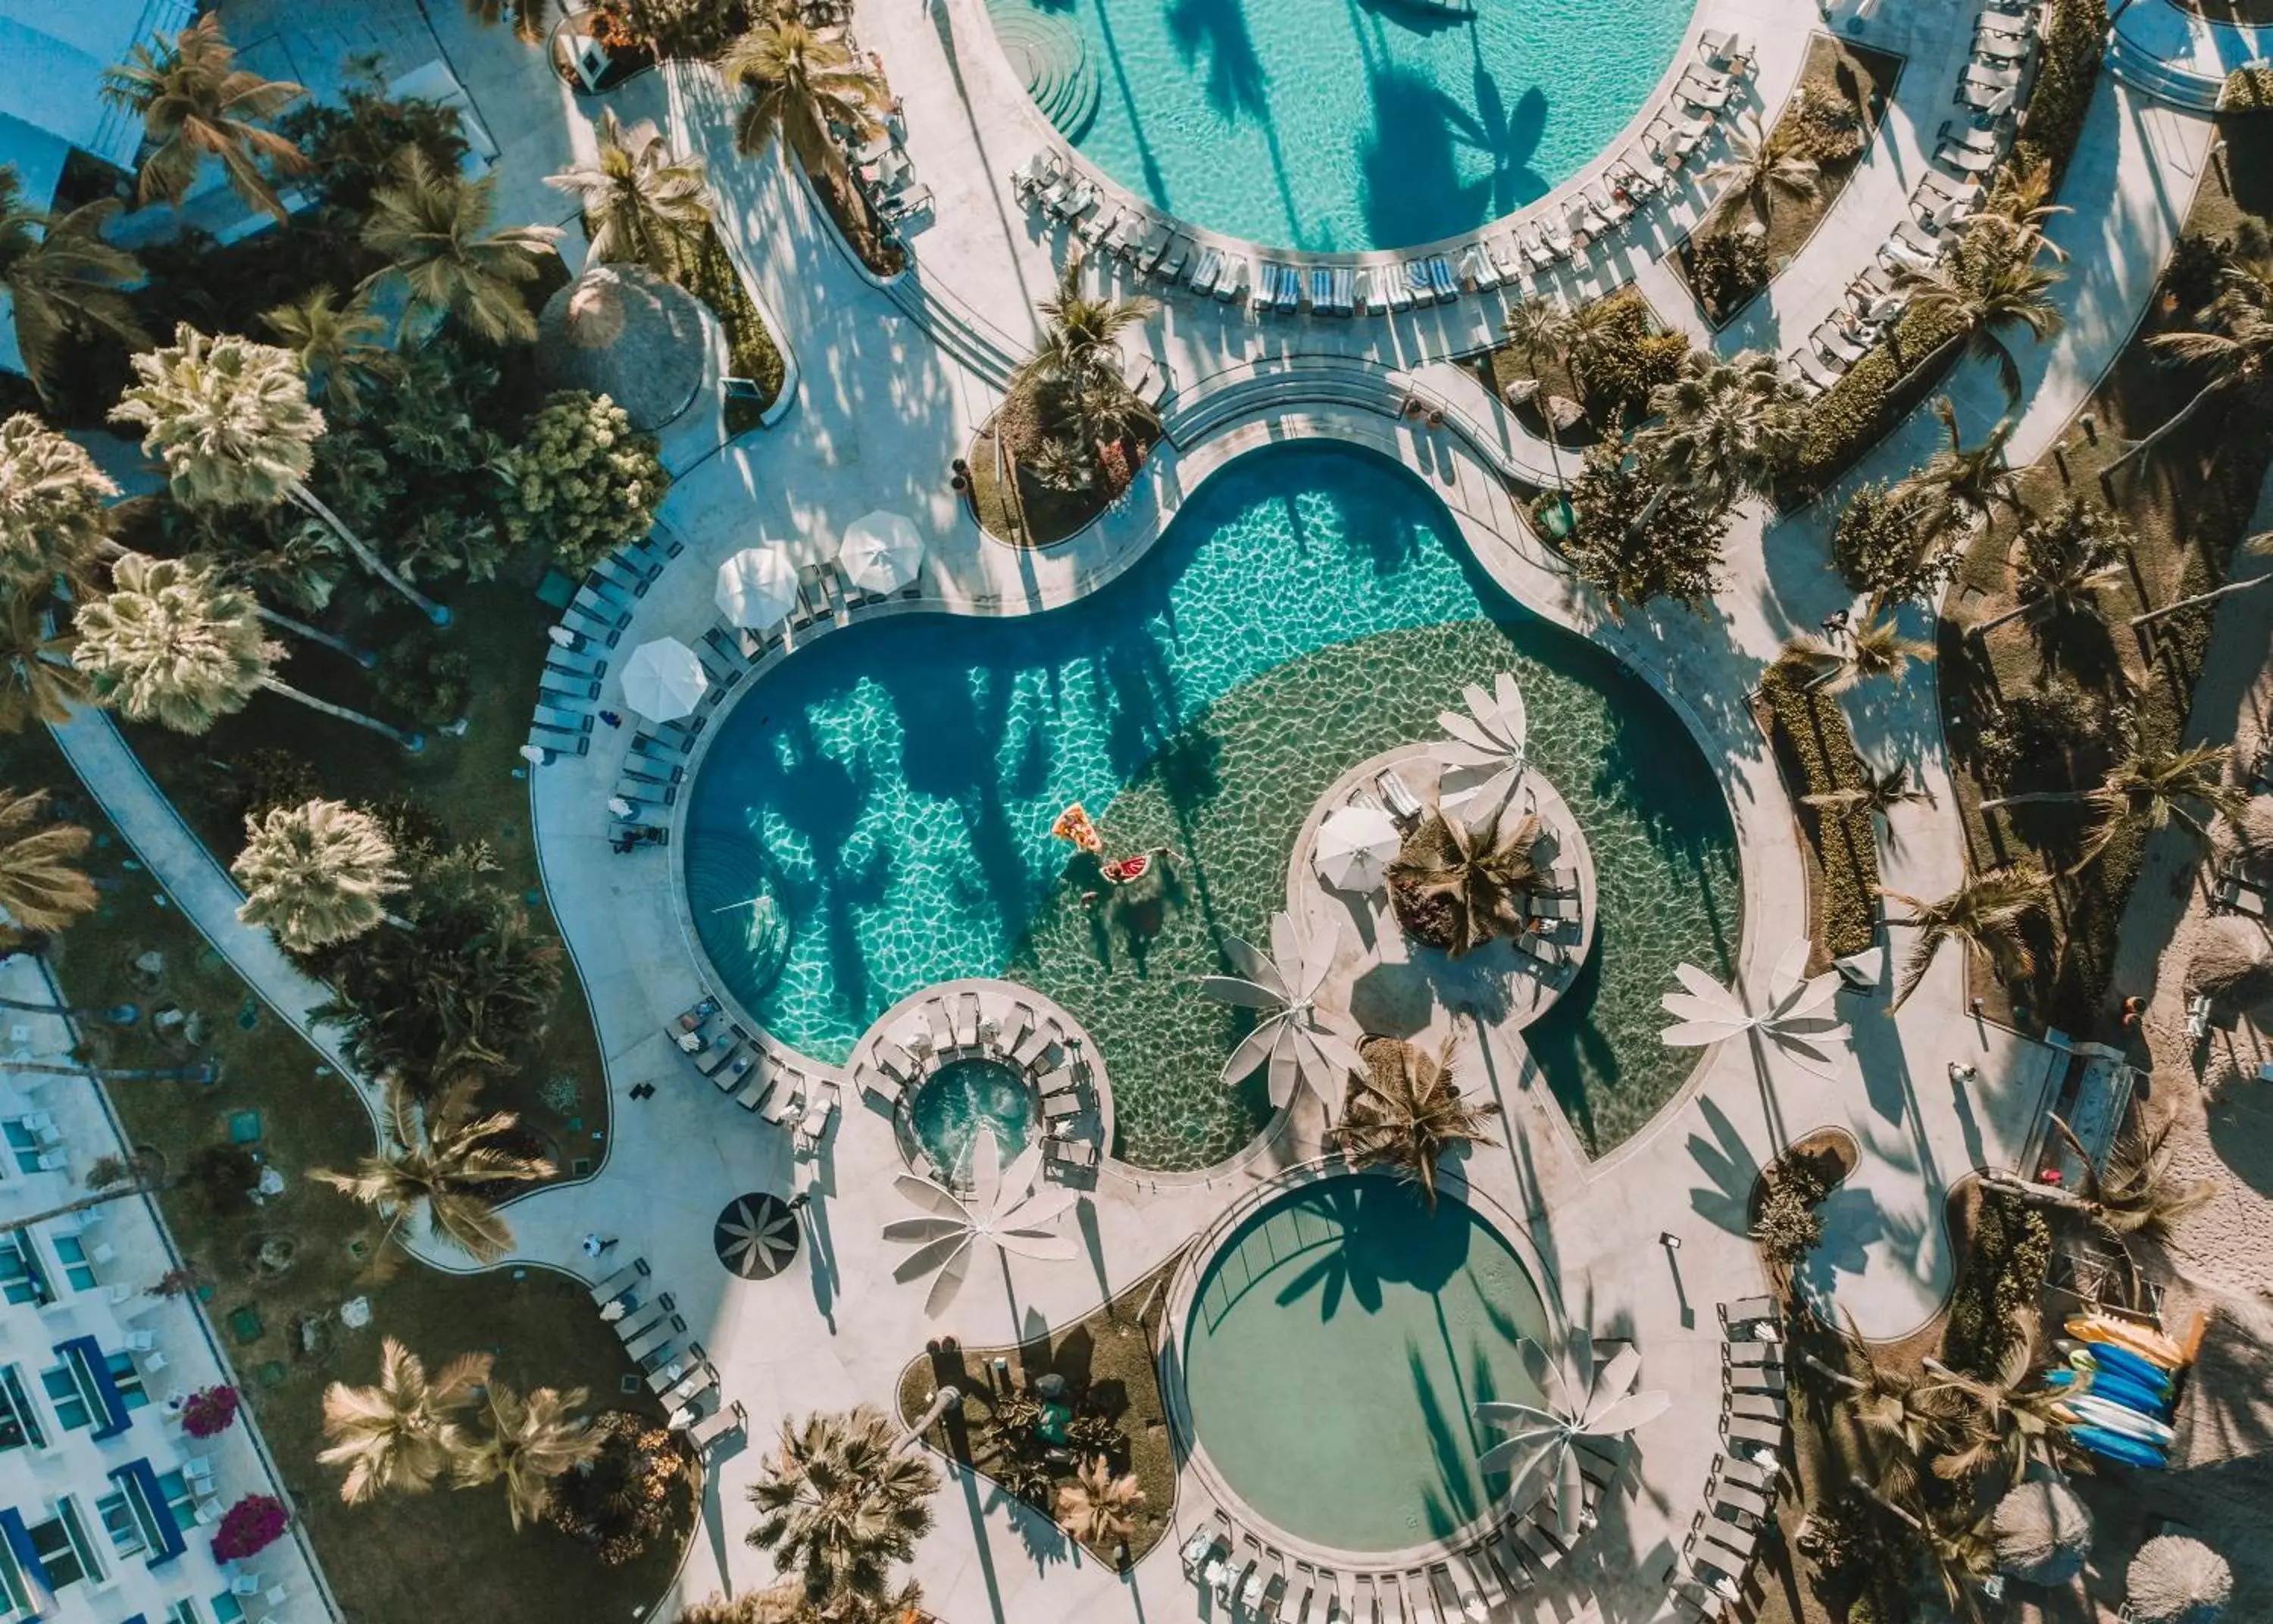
(2122, 1378)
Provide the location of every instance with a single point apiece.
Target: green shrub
(1998, 1283)
(1788, 1225)
(1727, 267)
(1877, 551)
(427, 679)
(1825, 126)
(1855, 412)
(581, 483)
(2075, 37)
(1677, 556)
(1814, 744)
(2247, 89)
(1618, 356)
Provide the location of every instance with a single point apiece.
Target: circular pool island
(1334, 1344)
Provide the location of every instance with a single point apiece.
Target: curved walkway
(882, 410)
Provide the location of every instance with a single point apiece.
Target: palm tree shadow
(1732, 1168)
(1238, 87)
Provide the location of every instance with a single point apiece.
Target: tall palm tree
(2149, 788)
(2066, 559)
(1079, 356)
(1874, 649)
(404, 1433)
(642, 202)
(1726, 429)
(439, 1161)
(1539, 324)
(2134, 1195)
(1407, 1112)
(1992, 283)
(1987, 914)
(62, 276)
(55, 508)
(169, 644)
(432, 230)
(40, 886)
(2009, 1418)
(1478, 871)
(2233, 344)
(231, 421)
(316, 874)
(838, 1503)
(1960, 488)
(195, 103)
(1761, 164)
(340, 348)
(530, 1440)
(1880, 789)
(38, 682)
(1098, 1508)
(800, 84)
(1894, 1406)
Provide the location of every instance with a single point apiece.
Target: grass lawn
(1861, 79)
(1109, 1354)
(2186, 508)
(471, 783)
(383, 1559)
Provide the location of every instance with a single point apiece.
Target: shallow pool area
(1339, 125)
(961, 1099)
(874, 814)
(1335, 1348)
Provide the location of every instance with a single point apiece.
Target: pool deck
(885, 400)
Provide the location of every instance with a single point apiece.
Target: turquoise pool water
(874, 814)
(1332, 125)
(1336, 1348)
(961, 1099)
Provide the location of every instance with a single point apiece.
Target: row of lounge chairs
(756, 1076)
(1152, 247)
(677, 1372)
(1709, 1578)
(970, 1022)
(591, 625)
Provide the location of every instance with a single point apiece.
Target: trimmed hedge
(2075, 38)
(1997, 1288)
(2247, 90)
(1813, 743)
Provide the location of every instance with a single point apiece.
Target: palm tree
(62, 276)
(1984, 913)
(2067, 559)
(38, 682)
(169, 644)
(2256, 545)
(1726, 429)
(642, 202)
(1993, 282)
(1079, 356)
(315, 875)
(111, 1179)
(1874, 649)
(195, 103)
(1760, 165)
(40, 886)
(439, 1159)
(529, 1442)
(1477, 873)
(1890, 1405)
(1099, 1509)
(2008, 1419)
(839, 1503)
(1958, 489)
(799, 84)
(340, 348)
(2149, 788)
(432, 230)
(1878, 791)
(1538, 323)
(1407, 1110)
(2234, 344)
(402, 1434)
(55, 512)
(231, 421)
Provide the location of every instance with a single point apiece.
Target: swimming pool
(1398, 1320)
(1338, 125)
(873, 815)
(948, 1110)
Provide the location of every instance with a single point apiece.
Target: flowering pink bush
(209, 1412)
(252, 1524)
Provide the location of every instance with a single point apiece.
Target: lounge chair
(1204, 273)
(1290, 291)
(1475, 270)
(2002, 48)
(656, 1335)
(1231, 284)
(1417, 283)
(1099, 226)
(1558, 237)
(1748, 1311)
(726, 1419)
(1397, 796)
(785, 1099)
(1645, 168)
(1345, 287)
(1172, 259)
(1835, 342)
(1397, 282)
(1752, 1352)
(1756, 1406)
(2021, 24)
(1751, 1474)
(1252, 1581)
(1546, 1551)
(1194, 1550)
(1038, 171)
(1128, 231)
(1155, 243)
(1267, 273)
(622, 1281)
(1607, 203)
(1322, 290)
(1966, 159)
(1712, 45)
(1903, 256)
(814, 1127)
(1745, 1503)
(1441, 280)
(1534, 244)
(1078, 1154)
(1694, 1599)
(1506, 257)
(1555, 909)
(1751, 1429)
(1078, 202)
(1704, 97)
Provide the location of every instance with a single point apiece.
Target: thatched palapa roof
(623, 332)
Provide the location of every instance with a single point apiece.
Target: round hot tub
(946, 1112)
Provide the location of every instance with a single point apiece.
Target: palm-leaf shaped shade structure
(1579, 1400)
(1793, 1019)
(1004, 1211)
(1493, 734)
(1291, 1037)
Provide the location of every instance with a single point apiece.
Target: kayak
(2148, 1344)
(2117, 1360)
(2115, 1447)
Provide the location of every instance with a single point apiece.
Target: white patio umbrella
(880, 552)
(757, 587)
(663, 679)
(1354, 848)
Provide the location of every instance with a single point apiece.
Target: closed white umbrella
(757, 587)
(880, 552)
(663, 679)
(1355, 846)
